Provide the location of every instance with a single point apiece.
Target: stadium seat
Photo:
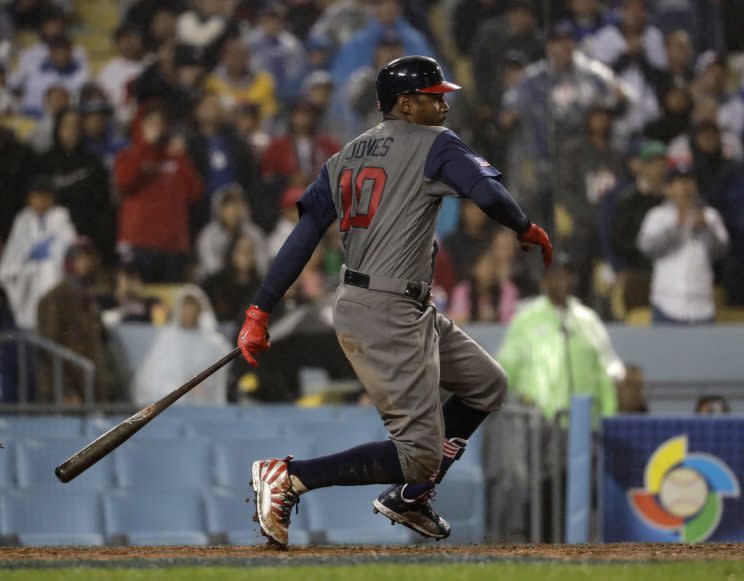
(16, 427)
(336, 436)
(460, 498)
(233, 458)
(159, 428)
(225, 430)
(147, 517)
(7, 465)
(344, 515)
(229, 519)
(287, 413)
(36, 460)
(49, 517)
(162, 464)
(189, 413)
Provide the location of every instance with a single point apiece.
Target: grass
(682, 571)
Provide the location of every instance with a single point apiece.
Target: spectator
(189, 343)
(676, 110)
(729, 202)
(69, 317)
(52, 25)
(219, 156)
(120, 71)
(712, 405)
(701, 19)
(680, 54)
(230, 289)
(705, 111)
(489, 295)
(633, 204)
(682, 237)
(59, 67)
(247, 120)
(359, 50)
(556, 347)
(8, 353)
(173, 78)
(470, 240)
(612, 41)
(80, 181)
(128, 303)
(317, 89)
(277, 50)
(641, 78)
(287, 219)
(585, 18)
(340, 21)
(17, 158)
(56, 99)
(361, 87)
(710, 165)
(301, 14)
(205, 26)
(556, 123)
(158, 19)
(711, 77)
(495, 40)
(296, 158)
(586, 172)
(232, 217)
(238, 83)
(100, 137)
(467, 16)
(32, 259)
(157, 181)
(631, 398)
(318, 52)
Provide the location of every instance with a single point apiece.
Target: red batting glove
(536, 236)
(254, 337)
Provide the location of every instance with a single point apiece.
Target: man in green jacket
(556, 347)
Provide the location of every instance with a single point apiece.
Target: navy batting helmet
(410, 74)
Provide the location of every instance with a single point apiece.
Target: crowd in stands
(176, 156)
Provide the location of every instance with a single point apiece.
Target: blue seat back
(234, 458)
(143, 510)
(44, 510)
(161, 464)
(36, 460)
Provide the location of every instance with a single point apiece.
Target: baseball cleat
(275, 498)
(416, 514)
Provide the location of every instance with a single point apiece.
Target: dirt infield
(123, 556)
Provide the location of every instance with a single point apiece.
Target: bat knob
(61, 475)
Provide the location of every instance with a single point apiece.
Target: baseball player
(383, 191)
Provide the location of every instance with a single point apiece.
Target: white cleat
(275, 498)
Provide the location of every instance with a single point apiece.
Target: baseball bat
(116, 436)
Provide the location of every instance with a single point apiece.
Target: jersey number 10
(351, 196)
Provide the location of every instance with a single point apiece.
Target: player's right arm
(317, 213)
(451, 162)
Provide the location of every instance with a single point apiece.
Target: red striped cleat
(275, 498)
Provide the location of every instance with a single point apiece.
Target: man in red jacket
(158, 184)
(296, 158)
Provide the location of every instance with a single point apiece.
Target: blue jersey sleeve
(318, 201)
(317, 213)
(453, 163)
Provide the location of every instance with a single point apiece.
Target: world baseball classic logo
(683, 492)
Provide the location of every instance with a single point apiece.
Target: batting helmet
(410, 74)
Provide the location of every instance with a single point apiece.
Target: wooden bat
(116, 436)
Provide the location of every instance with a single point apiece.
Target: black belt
(418, 291)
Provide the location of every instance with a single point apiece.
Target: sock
(373, 463)
(460, 422)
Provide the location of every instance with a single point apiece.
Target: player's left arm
(451, 162)
(317, 213)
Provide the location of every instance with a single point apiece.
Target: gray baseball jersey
(387, 208)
